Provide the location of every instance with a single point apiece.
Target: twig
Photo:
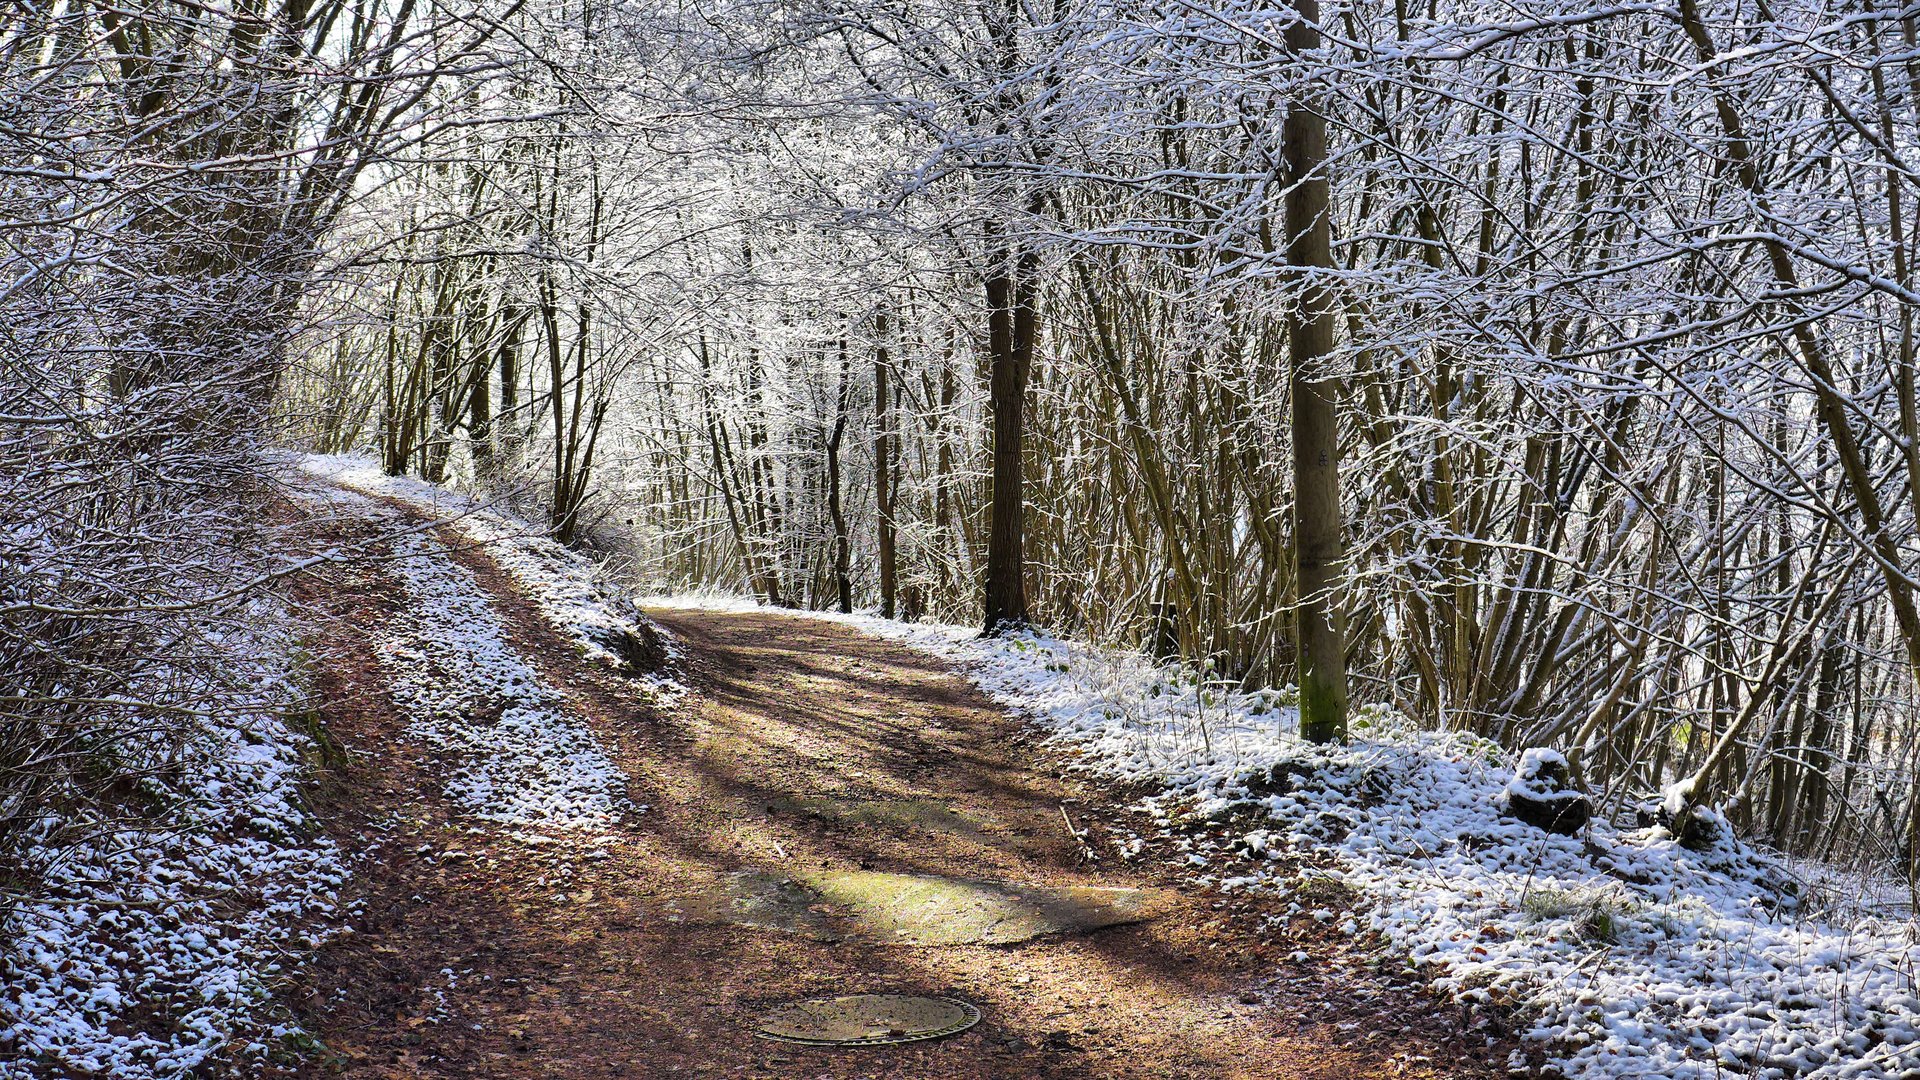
(1087, 854)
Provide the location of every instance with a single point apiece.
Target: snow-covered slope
(1639, 957)
(565, 586)
(150, 946)
(516, 754)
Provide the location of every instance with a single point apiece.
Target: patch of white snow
(151, 942)
(566, 587)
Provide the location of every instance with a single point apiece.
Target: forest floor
(483, 951)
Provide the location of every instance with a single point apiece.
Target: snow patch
(514, 751)
(151, 947)
(516, 754)
(566, 587)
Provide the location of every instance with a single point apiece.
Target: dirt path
(479, 955)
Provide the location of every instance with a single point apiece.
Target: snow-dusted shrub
(150, 921)
(155, 868)
(1542, 794)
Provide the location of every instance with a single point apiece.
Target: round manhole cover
(866, 1020)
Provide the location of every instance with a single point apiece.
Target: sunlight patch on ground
(920, 909)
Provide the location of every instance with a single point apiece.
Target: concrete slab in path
(921, 909)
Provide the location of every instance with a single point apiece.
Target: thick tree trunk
(1010, 338)
(1318, 543)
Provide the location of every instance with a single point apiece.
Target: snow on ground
(513, 749)
(1639, 958)
(563, 584)
(150, 946)
(516, 754)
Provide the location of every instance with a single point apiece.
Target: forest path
(803, 746)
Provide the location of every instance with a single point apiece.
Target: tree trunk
(1318, 543)
(883, 466)
(1010, 339)
(842, 547)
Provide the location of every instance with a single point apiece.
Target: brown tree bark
(1318, 541)
(883, 465)
(842, 546)
(1011, 328)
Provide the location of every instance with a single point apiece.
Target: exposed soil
(478, 955)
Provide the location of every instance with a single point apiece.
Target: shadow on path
(477, 955)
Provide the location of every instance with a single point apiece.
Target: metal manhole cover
(866, 1020)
